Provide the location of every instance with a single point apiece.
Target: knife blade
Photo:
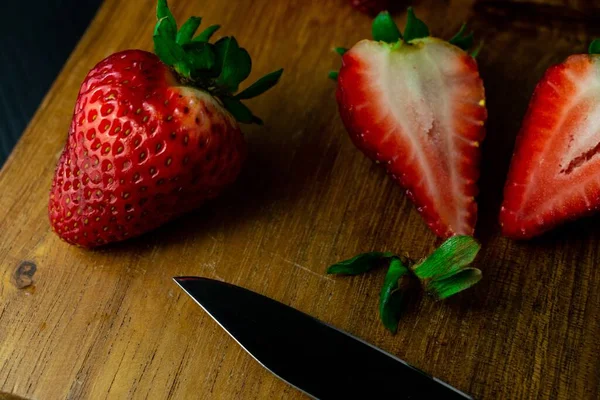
(314, 357)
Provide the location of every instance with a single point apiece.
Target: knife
(314, 357)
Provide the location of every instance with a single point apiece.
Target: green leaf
(260, 86)
(461, 40)
(167, 50)
(476, 51)
(444, 288)
(415, 28)
(333, 75)
(168, 27)
(233, 62)
(340, 50)
(392, 294)
(240, 111)
(594, 47)
(221, 49)
(384, 28)
(187, 30)
(236, 71)
(359, 264)
(450, 258)
(206, 34)
(183, 69)
(459, 34)
(200, 56)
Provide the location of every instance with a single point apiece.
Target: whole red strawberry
(554, 172)
(416, 105)
(153, 136)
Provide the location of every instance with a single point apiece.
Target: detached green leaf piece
(169, 27)
(415, 28)
(206, 34)
(594, 47)
(340, 50)
(446, 272)
(187, 30)
(451, 257)
(443, 274)
(333, 75)
(359, 264)
(392, 294)
(384, 28)
(461, 40)
(444, 288)
(260, 86)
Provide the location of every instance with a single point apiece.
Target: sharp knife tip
(181, 280)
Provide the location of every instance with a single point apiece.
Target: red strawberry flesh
(555, 170)
(419, 109)
(141, 150)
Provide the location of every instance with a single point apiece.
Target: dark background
(36, 38)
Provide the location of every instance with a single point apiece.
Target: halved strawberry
(416, 104)
(555, 171)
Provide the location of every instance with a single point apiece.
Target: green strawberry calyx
(594, 47)
(217, 68)
(384, 29)
(446, 272)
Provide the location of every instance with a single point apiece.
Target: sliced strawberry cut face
(555, 171)
(419, 109)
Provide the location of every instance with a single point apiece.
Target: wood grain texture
(111, 324)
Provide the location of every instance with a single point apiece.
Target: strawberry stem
(217, 68)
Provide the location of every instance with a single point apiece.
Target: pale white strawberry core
(425, 86)
(586, 104)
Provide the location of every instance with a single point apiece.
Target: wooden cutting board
(110, 323)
